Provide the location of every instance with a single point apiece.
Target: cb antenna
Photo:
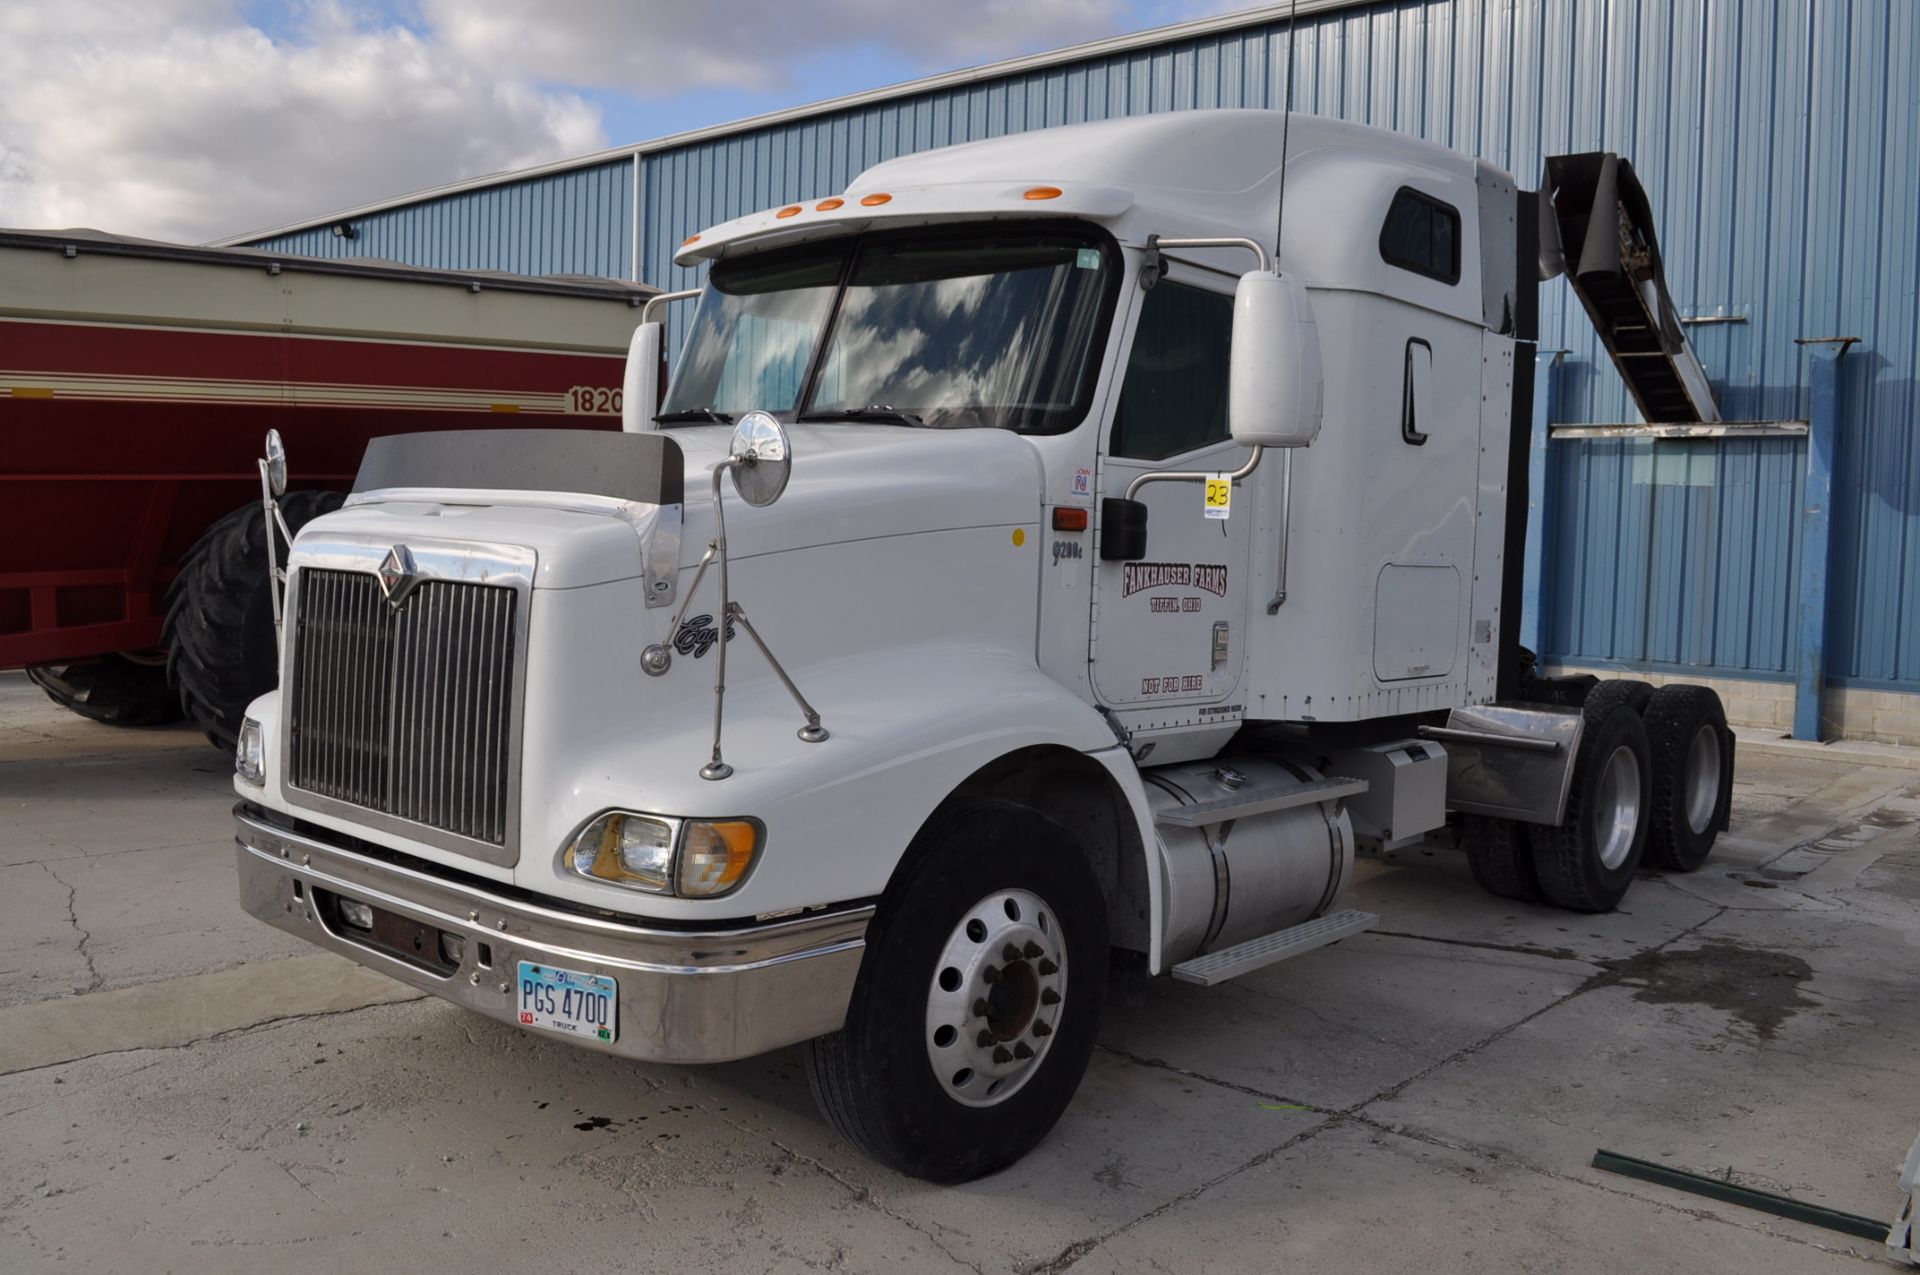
(1286, 126)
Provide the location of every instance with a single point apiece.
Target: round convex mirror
(762, 457)
(276, 464)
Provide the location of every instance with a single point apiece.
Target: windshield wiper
(872, 412)
(692, 414)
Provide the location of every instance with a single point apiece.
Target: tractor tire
(1500, 853)
(1588, 861)
(1692, 775)
(119, 690)
(978, 998)
(221, 653)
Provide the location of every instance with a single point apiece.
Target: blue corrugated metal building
(1778, 139)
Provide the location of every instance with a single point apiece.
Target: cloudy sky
(195, 119)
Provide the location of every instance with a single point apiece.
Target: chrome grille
(405, 711)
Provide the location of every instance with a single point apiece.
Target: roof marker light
(690, 239)
(828, 205)
(790, 210)
(1042, 192)
(875, 200)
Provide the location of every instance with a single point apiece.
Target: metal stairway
(1597, 227)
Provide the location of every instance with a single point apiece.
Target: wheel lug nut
(1049, 997)
(980, 1007)
(1040, 1028)
(1031, 950)
(990, 975)
(1023, 1051)
(1001, 1055)
(1009, 953)
(1045, 967)
(984, 1039)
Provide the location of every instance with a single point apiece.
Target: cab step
(1244, 958)
(1260, 801)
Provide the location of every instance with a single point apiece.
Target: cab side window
(1422, 235)
(1174, 397)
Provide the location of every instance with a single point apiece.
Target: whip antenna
(1286, 126)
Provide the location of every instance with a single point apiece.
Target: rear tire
(1501, 856)
(219, 633)
(1587, 863)
(1692, 752)
(119, 690)
(943, 1070)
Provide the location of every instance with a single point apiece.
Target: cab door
(1168, 629)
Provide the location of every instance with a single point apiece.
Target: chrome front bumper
(685, 997)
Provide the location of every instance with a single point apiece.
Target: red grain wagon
(137, 380)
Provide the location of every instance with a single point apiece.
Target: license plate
(569, 1002)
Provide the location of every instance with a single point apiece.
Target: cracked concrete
(192, 1091)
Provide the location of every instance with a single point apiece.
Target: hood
(849, 482)
(862, 482)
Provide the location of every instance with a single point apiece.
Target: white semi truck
(1026, 563)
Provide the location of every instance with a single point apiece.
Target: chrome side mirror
(276, 464)
(762, 459)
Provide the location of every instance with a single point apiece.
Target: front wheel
(978, 1001)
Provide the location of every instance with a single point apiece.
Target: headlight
(696, 858)
(250, 754)
(631, 850)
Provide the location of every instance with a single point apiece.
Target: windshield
(985, 328)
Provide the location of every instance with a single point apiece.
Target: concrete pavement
(184, 1089)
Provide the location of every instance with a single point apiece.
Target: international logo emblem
(397, 575)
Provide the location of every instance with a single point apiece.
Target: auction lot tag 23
(1219, 496)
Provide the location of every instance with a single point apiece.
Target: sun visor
(647, 468)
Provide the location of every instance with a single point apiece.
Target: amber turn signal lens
(1065, 519)
(828, 205)
(715, 855)
(875, 200)
(791, 210)
(1042, 192)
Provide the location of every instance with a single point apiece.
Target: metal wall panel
(1778, 139)
(575, 222)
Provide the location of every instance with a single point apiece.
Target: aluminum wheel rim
(995, 997)
(1616, 814)
(1703, 779)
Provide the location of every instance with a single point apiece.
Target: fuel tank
(1228, 882)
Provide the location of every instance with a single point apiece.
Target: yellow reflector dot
(1019, 537)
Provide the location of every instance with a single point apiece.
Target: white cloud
(175, 119)
(182, 119)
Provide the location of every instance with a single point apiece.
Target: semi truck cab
(1044, 548)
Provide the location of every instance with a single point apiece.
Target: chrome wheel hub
(995, 998)
(1616, 812)
(1702, 778)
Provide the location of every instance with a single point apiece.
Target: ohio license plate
(569, 1002)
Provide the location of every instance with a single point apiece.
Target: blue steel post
(1816, 524)
(1546, 403)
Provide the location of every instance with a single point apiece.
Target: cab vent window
(1174, 398)
(1422, 235)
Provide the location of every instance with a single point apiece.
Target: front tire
(977, 1004)
(220, 641)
